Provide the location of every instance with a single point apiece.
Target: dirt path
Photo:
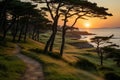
(34, 69)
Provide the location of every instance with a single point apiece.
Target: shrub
(86, 65)
(54, 55)
(103, 68)
(36, 50)
(112, 76)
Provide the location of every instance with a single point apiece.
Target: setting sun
(87, 25)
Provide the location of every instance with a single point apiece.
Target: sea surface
(103, 32)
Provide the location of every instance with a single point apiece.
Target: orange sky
(114, 8)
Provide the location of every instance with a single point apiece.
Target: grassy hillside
(56, 68)
(11, 67)
(76, 64)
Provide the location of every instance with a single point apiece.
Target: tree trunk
(54, 32)
(52, 41)
(48, 43)
(14, 35)
(26, 30)
(33, 34)
(6, 28)
(118, 63)
(63, 42)
(98, 50)
(3, 17)
(101, 58)
(4, 35)
(3, 25)
(3, 12)
(16, 31)
(20, 35)
(38, 35)
(29, 33)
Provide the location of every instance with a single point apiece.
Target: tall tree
(69, 8)
(3, 16)
(80, 9)
(53, 7)
(13, 10)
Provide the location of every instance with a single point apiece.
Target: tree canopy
(66, 9)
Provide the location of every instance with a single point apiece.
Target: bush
(54, 55)
(105, 69)
(112, 76)
(3, 43)
(86, 65)
(36, 50)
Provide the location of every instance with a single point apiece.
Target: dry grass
(58, 69)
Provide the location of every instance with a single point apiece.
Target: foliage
(54, 55)
(40, 51)
(99, 40)
(66, 9)
(105, 69)
(22, 18)
(62, 68)
(37, 50)
(86, 65)
(112, 53)
(112, 76)
(53, 68)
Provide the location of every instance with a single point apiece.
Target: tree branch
(49, 9)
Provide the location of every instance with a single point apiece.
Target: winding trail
(34, 69)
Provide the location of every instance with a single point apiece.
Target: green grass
(56, 68)
(71, 56)
(11, 67)
(44, 37)
(76, 64)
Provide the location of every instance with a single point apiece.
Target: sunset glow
(87, 25)
(67, 39)
(110, 22)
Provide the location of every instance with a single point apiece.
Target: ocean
(103, 32)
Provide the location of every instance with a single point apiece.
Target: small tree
(99, 41)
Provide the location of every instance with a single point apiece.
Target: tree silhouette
(3, 17)
(16, 17)
(80, 9)
(53, 7)
(100, 40)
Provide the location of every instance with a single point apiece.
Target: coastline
(82, 45)
(76, 35)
